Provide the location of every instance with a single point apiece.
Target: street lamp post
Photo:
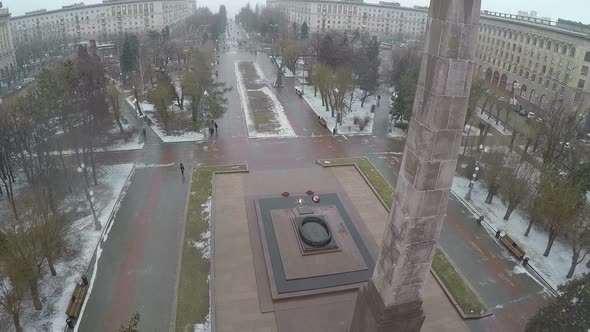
(474, 176)
(205, 110)
(514, 99)
(336, 91)
(89, 195)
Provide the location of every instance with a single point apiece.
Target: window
(554, 87)
(562, 90)
(572, 52)
(587, 57)
(548, 45)
(526, 75)
(544, 69)
(550, 72)
(563, 49)
(533, 77)
(584, 71)
(520, 73)
(581, 84)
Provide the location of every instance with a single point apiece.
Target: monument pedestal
(370, 313)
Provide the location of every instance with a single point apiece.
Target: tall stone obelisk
(392, 299)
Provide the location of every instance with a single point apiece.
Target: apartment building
(545, 58)
(7, 58)
(386, 20)
(102, 22)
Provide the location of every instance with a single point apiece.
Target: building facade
(100, 22)
(546, 59)
(7, 57)
(386, 20)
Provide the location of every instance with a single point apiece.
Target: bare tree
(161, 97)
(560, 203)
(517, 186)
(323, 78)
(563, 119)
(580, 240)
(113, 96)
(22, 250)
(493, 172)
(11, 297)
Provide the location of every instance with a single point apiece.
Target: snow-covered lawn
(348, 126)
(553, 268)
(265, 116)
(158, 128)
(492, 122)
(56, 291)
(474, 131)
(396, 132)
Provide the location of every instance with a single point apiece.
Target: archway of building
(533, 96)
(489, 74)
(542, 101)
(523, 91)
(496, 79)
(503, 81)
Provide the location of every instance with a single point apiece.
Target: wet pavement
(138, 267)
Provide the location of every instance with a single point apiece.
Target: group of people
(213, 127)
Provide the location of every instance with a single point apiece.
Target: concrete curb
(451, 298)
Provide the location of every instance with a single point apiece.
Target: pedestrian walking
(182, 169)
(216, 126)
(144, 133)
(378, 100)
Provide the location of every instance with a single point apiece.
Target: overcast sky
(575, 10)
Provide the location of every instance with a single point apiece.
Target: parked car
(523, 112)
(530, 115)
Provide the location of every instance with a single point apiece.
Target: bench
(322, 122)
(512, 246)
(75, 305)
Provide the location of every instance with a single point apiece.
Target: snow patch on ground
(206, 326)
(396, 132)
(347, 127)
(474, 130)
(284, 129)
(158, 128)
(553, 268)
(204, 246)
(55, 292)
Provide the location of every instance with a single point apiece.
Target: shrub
(364, 122)
(356, 119)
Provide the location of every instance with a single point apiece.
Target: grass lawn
(192, 306)
(465, 297)
(463, 294)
